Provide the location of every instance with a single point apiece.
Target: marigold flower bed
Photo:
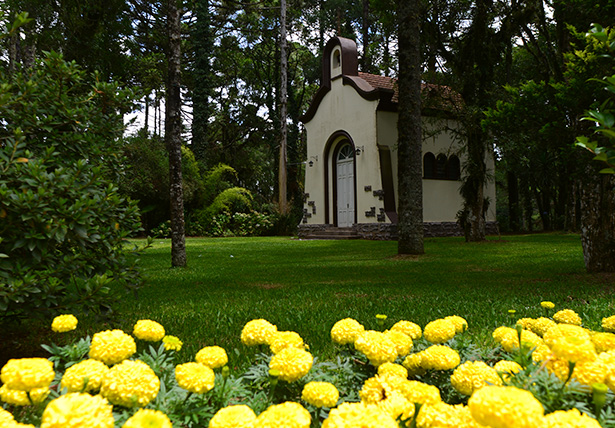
(544, 372)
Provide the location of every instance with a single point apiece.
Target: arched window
(429, 165)
(441, 166)
(453, 168)
(337, 58)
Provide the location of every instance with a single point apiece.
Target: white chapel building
(351, 167)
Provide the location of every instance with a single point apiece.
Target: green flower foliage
(63, 220)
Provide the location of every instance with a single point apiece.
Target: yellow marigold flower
(77, 410)
(473, 375)
(285, 415)
(608, 324)
(5, 417)
(8, 421)
(146, 418)
(376, 346)
(567, 316)
(320, 394)
(64, 323)
(397, 406)
(346, 331)
(440, 357)
(569, 330)
(589, 372)
(573, 349)
(284, 339)
(15, 424)
(547, 305)
(603, 341)
(419, 392)
(607, 359)
(172, 343)
(569, 418)
(237, 416)
(76, 375)
(291, 363)
(541, 325)
(443, 415)
(500, 332)
(195, 377)
(148, 330)
(439, 331)
(409, 328)
(505, 407)
(20, 398)
(557, 366)
(507, 368)
(377, 388)
(130, 384)
(393, 369)
(352, 415)
(258, 332)
(402, 341)
(525, 322)
(541, 353)
(112, 346)
(212, 356)
(509, 339)
(26, 374)
(460, 323)
(414, 364)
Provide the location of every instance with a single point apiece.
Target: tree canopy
(529, 79)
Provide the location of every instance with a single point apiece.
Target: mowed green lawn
(307, 286)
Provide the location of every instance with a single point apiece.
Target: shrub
(63, 220)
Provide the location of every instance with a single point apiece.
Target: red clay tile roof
(434, 96)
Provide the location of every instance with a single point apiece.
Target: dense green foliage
(63, 220)
(604, 116)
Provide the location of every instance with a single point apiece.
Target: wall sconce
(359, 150)
(312, 160)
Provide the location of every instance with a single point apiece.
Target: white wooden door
(345, 186)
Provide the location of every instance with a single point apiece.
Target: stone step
(334, 233)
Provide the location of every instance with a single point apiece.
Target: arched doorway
(345, 185)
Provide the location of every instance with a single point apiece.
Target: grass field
(307, 286)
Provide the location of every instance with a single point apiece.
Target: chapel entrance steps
(333, 233)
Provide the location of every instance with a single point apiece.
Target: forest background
(526, 71)
(230, 91)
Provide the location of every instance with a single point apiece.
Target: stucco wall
(441, 198)
(341, 109)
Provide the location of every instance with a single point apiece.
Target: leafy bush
(63, 220)
(233, 200)
(604, 115)
(146, 178)
(217, 180)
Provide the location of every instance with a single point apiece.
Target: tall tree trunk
(528, 208)
(410, 142)
(366, 62)
(282, 178)
(473, 188)
(513, 201)
(202, 75)
(146, 118)
(172, 136)
(321, 26)
(598, 220)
